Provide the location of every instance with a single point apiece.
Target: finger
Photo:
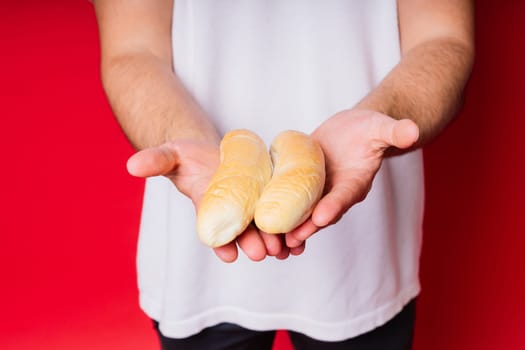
(298, 250)
(405, 134)
(291, 241)
(252, 244)
(153, 161)
(398, 133)
(285, 253)
(296, 237)
(227, 253)
(273, 243)
(334, 204)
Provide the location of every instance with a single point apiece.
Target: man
(372, 81)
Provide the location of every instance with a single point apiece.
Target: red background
(70, 212)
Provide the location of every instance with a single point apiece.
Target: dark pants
(396, 334)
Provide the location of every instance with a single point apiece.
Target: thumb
(398, 133)
(153, 161)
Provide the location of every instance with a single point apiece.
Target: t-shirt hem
(324, 331)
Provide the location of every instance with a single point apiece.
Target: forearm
(150, 102)
(426, 86)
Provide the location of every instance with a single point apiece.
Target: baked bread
(228, 205)
(296, 186)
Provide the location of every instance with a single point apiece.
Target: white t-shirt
(271, 65)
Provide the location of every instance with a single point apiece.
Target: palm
(353, 158)
(190, 166)
(354, 143)
(191, 176)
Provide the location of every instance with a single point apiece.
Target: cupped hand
(190, 165)
(354, 143)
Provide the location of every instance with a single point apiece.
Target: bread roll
(228, 204)
(296, 185)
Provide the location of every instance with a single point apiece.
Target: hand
(190, 166)
(354, 143)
